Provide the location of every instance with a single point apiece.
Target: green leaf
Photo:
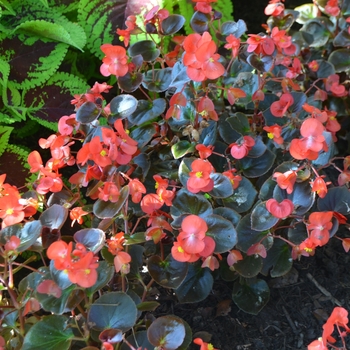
(147, 111)
(181, 148)
(54, 217)
(105, 273)
(8, 7)
(196, 286)
(87, 113)
(243, 197)
(256, 167)
(251, 296)
(138, 339)
(122, 106)
(166, 332)
(113, 310)
(147, 306)
(5, 132)
(4, 72)
(261, 218)
(278, 259)
(92, 238)
(222, 186)
(190, 203)
(337, 199)
(222, 231)
(50, 333)
(340, 60)
(157, 80)
(146, 48)
(106, 209)
(172, 24)
(169, 273)
(71, 33)
(250, 266)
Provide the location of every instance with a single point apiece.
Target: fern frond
(27, 129)
(49, 125)
(100, 18)
(5, 132)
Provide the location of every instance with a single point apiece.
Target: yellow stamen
(103, 153)
(180, 250)
(9, 211)
(270, 135)
(199, 174)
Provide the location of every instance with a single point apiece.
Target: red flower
(211, 262)
(233, 43)
(286, 180)
(109, 192)
(206, 109)
(12, 244)
(241, 149)
(279, 108)
(257, 249)
(274, 133)
(76, 215)
(274, 8)
(203, 345)
(280, 210)
(233, 94)
(136, 189)
(121, 262)
(332, 8)
(49, 287)
(204, 151)
(11, 211)
(320, 186)
(234, 256)
(260, 44)
(320, 224)
(200, 57)
(234, 179)
(192, 234)
(199, 179)
(115, 61)
(203, 5)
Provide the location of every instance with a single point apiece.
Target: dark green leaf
(172, 24)
(54, 217)
(261, 218)
(337, 199)
(50, 333)
(138, 339)
(251, 296)
(200, 22)
(130, 82)
(122, 106)
(147, 111)
(222, 186)
(157, 80)
(181, 148)
(228, 214)
(87, 113)
(146, 48)
(250, 266)
(169, 273)
(196, 286)
(166, 332)
(106, 209)
(340, 60)
(113, 310)
(92, 238)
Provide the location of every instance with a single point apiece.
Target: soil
(293, 317)
(298, 306)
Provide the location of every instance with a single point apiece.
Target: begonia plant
(213, 155)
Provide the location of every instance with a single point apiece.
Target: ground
(291, 320)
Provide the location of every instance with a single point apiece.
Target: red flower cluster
(338, 318)
(279, 108)
(274, 8)
(201, 58)
(192, 242)
(13, 208)
(312, 142)
(199, 179)
(320, 223)
(151, 202)
(121, 258)
(93, 95)
(203, 5)
(115, 61)
(286, 180)
(79, 264)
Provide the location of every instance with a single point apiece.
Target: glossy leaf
(130, 82)
(243, 197)
(222, 186)
(166, 332)
(54, 217)
(262, 64)
(181, 148)
(147, 111)
(50, 333)
(240, 123)
(113, 310)
(28, 234)
(172, 24)
(169, 273)
(200, 22)
(106, 209)
(157, 80)
(235, 28)
(250, 266)
(105, 273)
(247, 236)
(122, 106)
(261, 218)
(60, 277)
(190, 203)
(138, 339)
(146, 48)
(340, 60)
(251, 296)
(196, 286)
(143, 134)
(228, 214)
(92, 238)
(337, 199)
(279, 260)
(222, 231)
(87, 113)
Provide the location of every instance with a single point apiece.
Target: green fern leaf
(186, 10)
(12, 96)
(45, 3)
(226, 8)
(5, 132)
(52, 101)
(7, 117)
(49, 125)
(64, 6)
(71, 33)
(100, 18)
(4, 72)
(31, 63)
(7, 6)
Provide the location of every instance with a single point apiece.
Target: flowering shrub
(214, 156)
